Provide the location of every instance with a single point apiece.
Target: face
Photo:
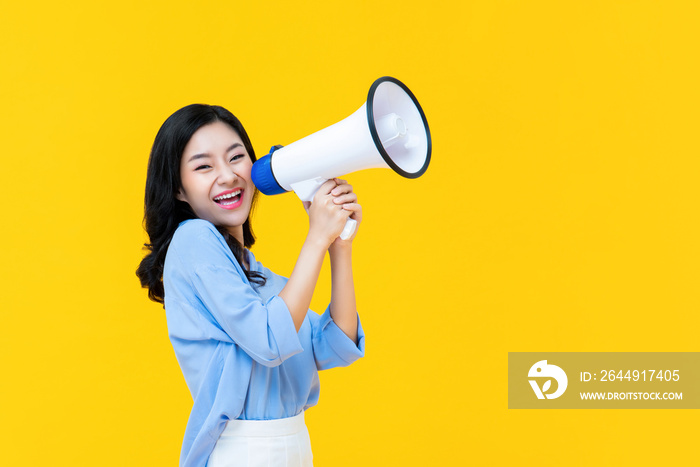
(215, 174)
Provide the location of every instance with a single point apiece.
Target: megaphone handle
(349, 229)
(306, 189)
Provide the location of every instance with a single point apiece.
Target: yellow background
(559, 213)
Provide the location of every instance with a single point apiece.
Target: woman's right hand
(326, 218)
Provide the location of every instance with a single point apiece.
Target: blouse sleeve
(332, 347)
(263, 329)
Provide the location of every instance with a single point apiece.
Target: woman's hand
(333, 204)
(345, 197)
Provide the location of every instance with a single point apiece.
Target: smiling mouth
(229, 199)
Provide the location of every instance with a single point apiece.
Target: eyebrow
(205, 155)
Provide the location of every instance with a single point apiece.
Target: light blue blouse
(236, 342)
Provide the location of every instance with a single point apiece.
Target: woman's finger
(355, 211)
(340, 189)
(346, 198)
(327, 187)
(352, 207)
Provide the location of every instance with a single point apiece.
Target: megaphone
(389, 131)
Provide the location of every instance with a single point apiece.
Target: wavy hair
(163, 212)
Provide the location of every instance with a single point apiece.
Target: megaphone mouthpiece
(263, 177)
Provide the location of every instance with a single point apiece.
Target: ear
(180, 195)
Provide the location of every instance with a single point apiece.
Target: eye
(236, 157)
(202, 167)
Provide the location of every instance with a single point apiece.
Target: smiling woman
(164, 211)
(247, 344)
(215, 177)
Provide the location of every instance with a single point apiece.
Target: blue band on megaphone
(262, 175)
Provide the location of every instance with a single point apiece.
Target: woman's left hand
(344, 196)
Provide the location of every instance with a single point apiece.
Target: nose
(226, 175)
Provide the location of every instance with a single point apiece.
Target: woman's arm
(343, 305)
(326, 221)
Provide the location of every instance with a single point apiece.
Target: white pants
(269, 443)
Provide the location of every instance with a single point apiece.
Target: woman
(246, 342)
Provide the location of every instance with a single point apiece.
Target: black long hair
(163, 212)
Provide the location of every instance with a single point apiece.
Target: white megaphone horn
(389, 130)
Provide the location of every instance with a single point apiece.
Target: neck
(237, 233)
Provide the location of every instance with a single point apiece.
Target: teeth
(230, 195)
